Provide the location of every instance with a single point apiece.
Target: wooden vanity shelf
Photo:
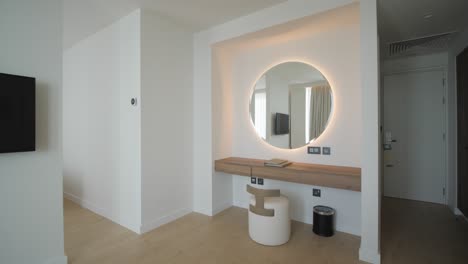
(347, 178)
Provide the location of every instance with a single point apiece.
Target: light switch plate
(260, 181)
(326, 151)
(253, 180)
(316, 192)
(313, 150)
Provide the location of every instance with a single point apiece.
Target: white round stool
(272, 230)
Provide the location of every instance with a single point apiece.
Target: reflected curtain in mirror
(320, 109)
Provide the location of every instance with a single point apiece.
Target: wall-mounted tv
(281, 124)
(17, 113)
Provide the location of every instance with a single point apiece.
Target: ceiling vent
(422, 45)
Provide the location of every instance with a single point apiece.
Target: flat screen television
(17, 113)
(281, 124)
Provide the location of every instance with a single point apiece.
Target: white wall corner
(218, 208)
(164, 220)
(369, 255)
(237, 203)
(57, 260)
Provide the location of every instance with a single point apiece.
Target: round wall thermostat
(133, 101)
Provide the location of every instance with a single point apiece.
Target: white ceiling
(404, 19)
(85, 17)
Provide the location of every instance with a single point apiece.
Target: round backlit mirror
(291, 105)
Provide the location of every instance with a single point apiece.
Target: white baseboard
(370, 256)
(203, 211)
(237, 203)
(460, 213)
(221, 207)
(100, 211)
(88, 205)
(57, 260)
(164, 220)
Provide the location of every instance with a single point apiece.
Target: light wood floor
(196, 238)
(412, 232)
(416, 232)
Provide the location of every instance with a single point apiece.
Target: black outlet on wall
(260, 181)
(253, 180)
(316, 192)
(313, 150)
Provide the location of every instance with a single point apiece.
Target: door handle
(389, 165)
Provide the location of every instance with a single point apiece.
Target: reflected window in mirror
(291, 105)
(260, 107)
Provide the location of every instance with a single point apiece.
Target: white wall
(166, 102)
(332, 52)
(101, 130)
(130, 121)
(458, 44)
(131, 164)
(31, 225)
(222, 128)
(371, 176)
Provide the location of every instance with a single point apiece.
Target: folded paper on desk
(277, 163)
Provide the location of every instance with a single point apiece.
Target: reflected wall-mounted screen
(291, 105)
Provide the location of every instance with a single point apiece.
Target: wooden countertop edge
(317, 167)
(339, 177)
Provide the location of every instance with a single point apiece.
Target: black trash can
(323, 220)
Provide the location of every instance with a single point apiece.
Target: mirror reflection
(291, 105)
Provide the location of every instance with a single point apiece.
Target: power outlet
(326, 151)
(313, 150)
(260, 181)
(253, 180)
(316, 192)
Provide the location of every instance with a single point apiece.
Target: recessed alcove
(328, 41)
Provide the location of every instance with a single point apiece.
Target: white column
(370, 211)
(202, 139)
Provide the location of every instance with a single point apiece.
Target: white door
(414, 124)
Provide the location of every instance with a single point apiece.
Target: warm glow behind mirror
(290, 105)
